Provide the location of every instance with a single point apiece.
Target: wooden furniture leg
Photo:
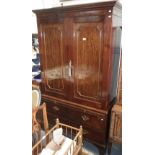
(102, 150)
(109, 148)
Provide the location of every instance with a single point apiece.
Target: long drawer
(94, 124)
(88, 133)
(88, 119)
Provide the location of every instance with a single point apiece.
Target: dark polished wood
(77, 49)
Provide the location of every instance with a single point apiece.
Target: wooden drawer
(57, 109)
(94, 126)
(95, 137)
(82, 117)
(88, 119)
(52, 119)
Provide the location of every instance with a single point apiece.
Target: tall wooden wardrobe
(77, 50)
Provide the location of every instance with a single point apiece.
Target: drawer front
(55, 108)
(89, 120)
(93, 136)
(82, 117)
(94, 125)
(52, 120)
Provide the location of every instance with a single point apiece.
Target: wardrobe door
(53, 60)
(88, 62)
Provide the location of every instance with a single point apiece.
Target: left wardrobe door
(54, 63)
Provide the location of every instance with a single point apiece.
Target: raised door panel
(88, 60)
(53, 60)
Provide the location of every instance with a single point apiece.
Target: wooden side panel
(119, 91)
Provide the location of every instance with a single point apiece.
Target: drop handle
(85, 118)
(70, 68)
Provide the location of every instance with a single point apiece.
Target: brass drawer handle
(85, 118)
(56, 108)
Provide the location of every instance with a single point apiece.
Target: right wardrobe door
(88, 56)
